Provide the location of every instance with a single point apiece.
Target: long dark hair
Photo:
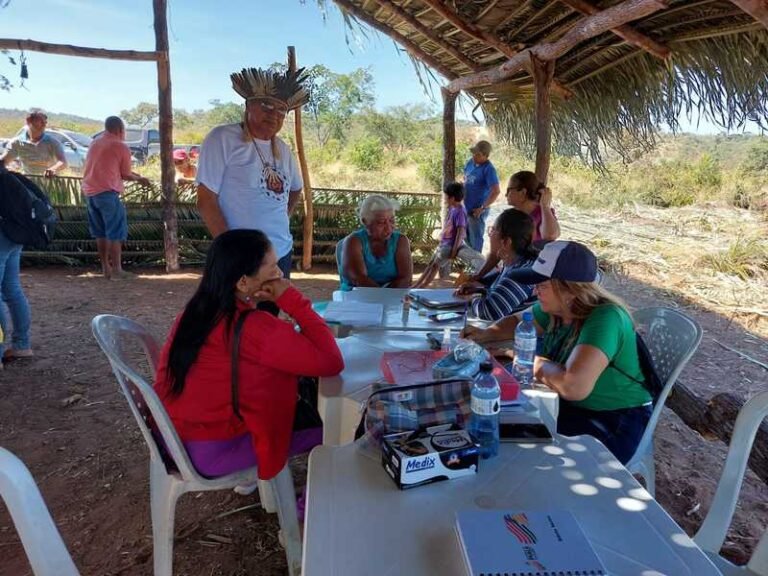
(518, 227)
(232, 255)
(528, 180)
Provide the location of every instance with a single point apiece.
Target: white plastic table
(358, 523)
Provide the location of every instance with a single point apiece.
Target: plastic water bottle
(486, 405)
(525, 351)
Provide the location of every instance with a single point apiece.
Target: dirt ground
(61, 412)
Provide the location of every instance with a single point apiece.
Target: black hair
(518, 227)
(113, 124)
(232, 255)
(528, 180)
(455, 190)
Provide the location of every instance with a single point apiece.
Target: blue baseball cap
(560, 260)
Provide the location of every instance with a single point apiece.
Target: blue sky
(208, 41)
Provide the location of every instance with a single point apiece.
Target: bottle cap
(486, 366)
(527, 316)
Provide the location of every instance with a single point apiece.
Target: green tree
(141, 115)
(401, 128)
(223, 113)
(334, 98)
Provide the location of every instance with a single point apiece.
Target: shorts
(106, 216)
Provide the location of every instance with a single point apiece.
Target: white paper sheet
(354, 313)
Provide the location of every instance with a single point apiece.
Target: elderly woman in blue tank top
(376, 255)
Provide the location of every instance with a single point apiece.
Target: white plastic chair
(711, 535)
(42, 542)
(672, 338)
(171, 473)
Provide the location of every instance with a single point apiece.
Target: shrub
(367, 154)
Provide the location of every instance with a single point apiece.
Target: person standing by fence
(107, 164)
(38, 152)
(248, 177)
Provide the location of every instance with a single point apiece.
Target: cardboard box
(437, 453)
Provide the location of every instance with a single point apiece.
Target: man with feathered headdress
(248, 177)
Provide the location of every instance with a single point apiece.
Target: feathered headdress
(287, 87)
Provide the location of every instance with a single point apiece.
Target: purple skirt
(213, 458)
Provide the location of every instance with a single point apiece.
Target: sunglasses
(271, 108)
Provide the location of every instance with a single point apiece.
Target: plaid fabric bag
(413, 406)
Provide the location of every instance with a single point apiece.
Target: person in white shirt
(247, 177)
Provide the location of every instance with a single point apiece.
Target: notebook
(437, 298)
(515, 543)
(354, 313)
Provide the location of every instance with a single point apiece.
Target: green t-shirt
(609, 328)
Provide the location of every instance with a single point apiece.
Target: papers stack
(354, 314)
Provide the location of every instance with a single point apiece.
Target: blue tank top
(381, 270)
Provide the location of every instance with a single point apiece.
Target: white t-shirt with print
(232, 168)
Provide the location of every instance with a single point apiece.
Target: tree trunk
(543, 72)
(165, 108)
(449, 146)
(309, 215)
(714, 419)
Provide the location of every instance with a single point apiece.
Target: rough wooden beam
(543, 73)
(165, 111)
(70, 50)
(468, 28)
(758, 9)
(412, 48)
(590, 27)
(626, 32)
(425, 31)
(449, 145)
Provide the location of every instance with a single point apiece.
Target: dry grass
(713, 255)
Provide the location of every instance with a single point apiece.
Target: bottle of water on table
(525, 350)
(486, 405)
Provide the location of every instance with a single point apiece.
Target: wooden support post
(449, 146)
(543, 72)
(165, 109)
(309, 213)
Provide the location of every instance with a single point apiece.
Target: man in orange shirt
(109, 163)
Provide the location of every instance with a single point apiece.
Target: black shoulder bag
(306, 415)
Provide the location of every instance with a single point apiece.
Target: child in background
(452, 240)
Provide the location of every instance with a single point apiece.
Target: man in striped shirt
(39, 153)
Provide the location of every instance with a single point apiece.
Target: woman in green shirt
(587, 350)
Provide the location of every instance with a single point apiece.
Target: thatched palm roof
(613, 88)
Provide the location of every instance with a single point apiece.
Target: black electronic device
(524, 432)
(445, 316)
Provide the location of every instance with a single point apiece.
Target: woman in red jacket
(194, 373)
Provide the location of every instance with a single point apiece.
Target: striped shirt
(505, 296)
(35, 157)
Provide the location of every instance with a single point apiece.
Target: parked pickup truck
(143, 142)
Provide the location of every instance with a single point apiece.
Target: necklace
(271, 176)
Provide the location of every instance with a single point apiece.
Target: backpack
(26, 214)
(651, 379)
